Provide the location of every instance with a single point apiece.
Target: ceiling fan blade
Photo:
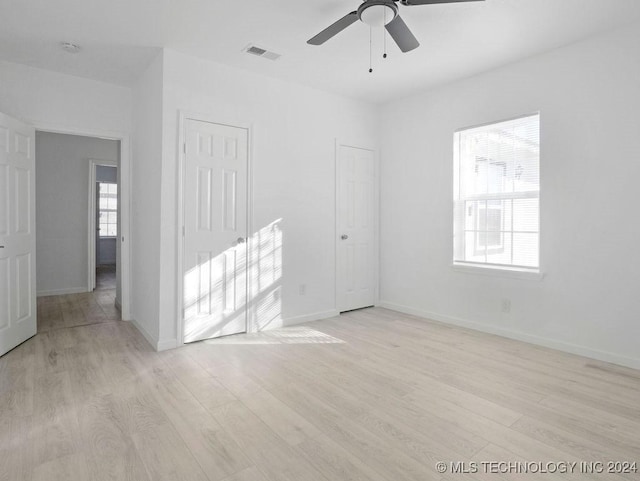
(402, 35)
(334, 29)
(430, 2)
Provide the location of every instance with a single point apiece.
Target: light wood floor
(105, 277)
(372, 395)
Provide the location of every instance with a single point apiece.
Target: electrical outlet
(506, 305)
(303, 289)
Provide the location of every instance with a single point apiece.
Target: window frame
(100, 211)
(486, 268)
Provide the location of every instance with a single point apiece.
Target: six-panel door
(215, 221)
(17, 233)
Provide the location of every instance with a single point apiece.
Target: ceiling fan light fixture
(378, 14)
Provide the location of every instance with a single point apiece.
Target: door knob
(344, 237)
(240, 240)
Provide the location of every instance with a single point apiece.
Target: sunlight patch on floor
(289, 335)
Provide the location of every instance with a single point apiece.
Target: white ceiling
(119, 37)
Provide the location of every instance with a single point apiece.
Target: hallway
(105, 277)
(72, 310)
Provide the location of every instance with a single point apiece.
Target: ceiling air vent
(261, 52)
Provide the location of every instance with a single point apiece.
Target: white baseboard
(157, 345)
(316, 316)
(292, 321)
(150, 339)
(166, 344)
(518, 336)
(62, 292)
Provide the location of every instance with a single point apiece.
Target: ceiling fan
(377, 13)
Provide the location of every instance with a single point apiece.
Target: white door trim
(183, 116)
(91, 239)
(376, 215)
(125, 201)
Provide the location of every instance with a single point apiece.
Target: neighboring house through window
(497, 195)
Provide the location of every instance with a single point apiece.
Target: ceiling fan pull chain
(384, 35)
(370, 49)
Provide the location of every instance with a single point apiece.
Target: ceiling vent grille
(261, 52)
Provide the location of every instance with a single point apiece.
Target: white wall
(62, 190)
(145, 201)
(589, 99)
(294, 131)
(105, 173)
(60, 101)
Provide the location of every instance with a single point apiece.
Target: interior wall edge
(153, 342)
(166, 344)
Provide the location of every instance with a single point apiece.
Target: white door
(356, 228)
(215, 230)
(17, 233)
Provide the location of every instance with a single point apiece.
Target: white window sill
(513, 273)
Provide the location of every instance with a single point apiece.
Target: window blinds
(496, 194)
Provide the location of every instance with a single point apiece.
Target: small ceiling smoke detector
(261, 52)
(70, 47)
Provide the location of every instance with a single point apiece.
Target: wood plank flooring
(370, 395)
(105, 277)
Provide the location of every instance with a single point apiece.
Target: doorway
(27, 276)
(215, 219)
(66, 206)
(103, 223)
(356, 228)
(123, 285)
(69, 200)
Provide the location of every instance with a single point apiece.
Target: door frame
(124, 188)
(376, 215)
(183, 117)
(93, 206)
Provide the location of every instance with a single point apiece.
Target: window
(108, 209)
(496, 195)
